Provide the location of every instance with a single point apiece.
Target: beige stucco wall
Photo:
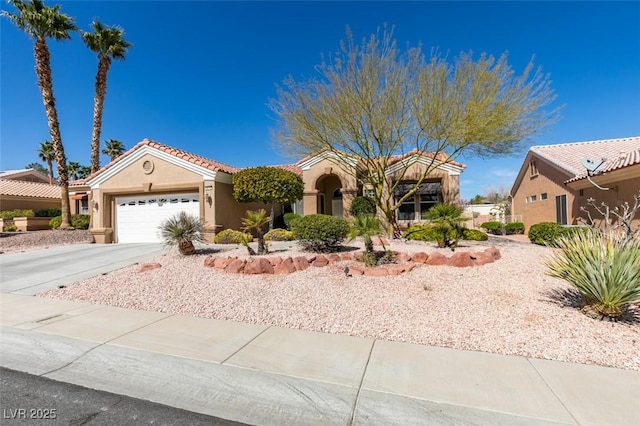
(11, 203)
(325, 177)
(229, 212)
(549, 180)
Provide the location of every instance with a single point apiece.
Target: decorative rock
(346, 256)
(481, 258)
(222, 263)
(235, 267)
(409, 267)
(460, 260)
(320, 261)
(150, 267)
(436, 259)
(275, 260)
(333, 257)
(284, 267)
(403, 257)
(395, 270)
(301, 263)
(494, 252)
(355, 271)
(375, 272)
(420, 257)
(380, 241)
(209, 261)
(258, 266)
(310, 258)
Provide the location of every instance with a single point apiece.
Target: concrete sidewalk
(266, 375)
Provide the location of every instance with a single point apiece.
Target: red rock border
(282, 266)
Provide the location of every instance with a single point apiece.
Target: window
(533, 168)
(561, 209)
(582, 192)
(533, 198)
(83, 206)
(369, 193)
(417, 206)
(543, 196)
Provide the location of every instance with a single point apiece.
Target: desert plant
(369, 258)
(615, 222)
(182, 230)
(447, 222)
(255, 222)
(421, 233)
(10, 228)
(278, 234)
(363, 206)
(365, 226)
(55, 222)
(229, 236)
(604, 270)
(10, 214)
(50, 212)
(514, 228)
(474, 235)
(544, 233)
(494, 227)
(289, 218)
(80, 221)
(320, 233)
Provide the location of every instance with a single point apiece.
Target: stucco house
(133, 194)
(27, 189)
(553, 181)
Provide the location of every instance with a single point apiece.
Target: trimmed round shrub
(544, 233)
(361, 206)
(10, 228)
(494, 227)
(230, 236)
(10, 214)
(278, 234)
(80, 221)
(514, 228)
(421, 233)
(289, 218)
(50, 212)
(55, 222)
(474, 235)
(320, 233)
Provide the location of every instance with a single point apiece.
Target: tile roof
(627, 159)
(568, 156)
(20, 188)
(290, 167)
(18, 174)
(207, 163)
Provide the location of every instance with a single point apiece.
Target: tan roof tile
(20, 188)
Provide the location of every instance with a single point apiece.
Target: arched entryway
(329, 198)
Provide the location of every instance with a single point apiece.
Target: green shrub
(278, 234)
(50, 212)
(605, 271)
(10, 228)
(514, 228)
(319, 232)
(10, 214)
(80, 221)
(231, 236)
(289, 218)
(494, 227)
(474, 235)
(55, 222)
(544, 233)
(362, 206)
(421, 233)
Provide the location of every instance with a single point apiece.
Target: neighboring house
(133, 194)
(27, 189)
(552, 184)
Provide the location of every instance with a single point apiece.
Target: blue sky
(200, 73)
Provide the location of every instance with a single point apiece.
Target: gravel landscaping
(507, 307)
(12, 242)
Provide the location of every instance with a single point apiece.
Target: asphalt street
(32, 400)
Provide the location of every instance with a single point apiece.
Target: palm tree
(108, 43)
(41, 22)
(38, 168)
(47, 154)
(84, 172)
(113, 148)
(73, 168)
(447, 221)
(255, 221)
(365, 226)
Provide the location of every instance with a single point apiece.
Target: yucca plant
(447, 222)
(365, 226)
(182, 230)
(255, 222)
(605, 271)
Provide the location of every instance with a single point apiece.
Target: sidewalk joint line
(364, 372)
(245, 345)
(552, 391)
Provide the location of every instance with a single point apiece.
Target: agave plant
(604, 270)
(255, 222)
(365, 226)
(182, 230)
(447, 222)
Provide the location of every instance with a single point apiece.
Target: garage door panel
(138, 217)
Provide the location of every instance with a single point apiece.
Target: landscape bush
(362, 206)
(10, 228)
(545, 233)
(181, 230)
(320, 233)
(80, 221)
(289, 218)
(231, 236)
(278, 234)
(474, 235)
(10, 214)
(494, 227)
(429, 233)
(55, 222)
(514, 228)
(50, 212)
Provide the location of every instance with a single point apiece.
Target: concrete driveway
(37, 271)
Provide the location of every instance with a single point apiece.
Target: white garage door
(138, 217)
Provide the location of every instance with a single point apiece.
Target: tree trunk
(98, 103)
(43, 72)
(186, 248)
(271, 218)
(262, 249)
(50, 166)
